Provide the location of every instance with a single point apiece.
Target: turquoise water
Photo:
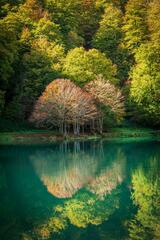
(95, 190)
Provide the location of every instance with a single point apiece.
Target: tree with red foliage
(66, 106)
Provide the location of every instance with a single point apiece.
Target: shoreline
(49, 137)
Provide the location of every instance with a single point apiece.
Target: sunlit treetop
(153, 20)
(145, 85)
(135, 24)
(83, 66)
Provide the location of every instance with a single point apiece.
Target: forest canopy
(81, 40)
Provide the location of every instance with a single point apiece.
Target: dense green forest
(109, 50)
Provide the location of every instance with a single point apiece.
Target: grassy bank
(22, 133)
(45, 137)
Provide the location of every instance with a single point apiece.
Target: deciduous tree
(66, 106)
(145, 84)
(83, 66)
(108, 95)
(39, 67)
(109, 37)
(135, 24)
(153, 16)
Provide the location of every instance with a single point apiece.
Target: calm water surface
(97, 190)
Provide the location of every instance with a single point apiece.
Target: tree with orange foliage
(66, 106)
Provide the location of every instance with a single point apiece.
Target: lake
(82, 190)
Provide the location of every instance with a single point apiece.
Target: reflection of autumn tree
(146, 196)
(109, 178)
(71, 172)
(77, 168)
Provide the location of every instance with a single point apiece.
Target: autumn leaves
(73, 109)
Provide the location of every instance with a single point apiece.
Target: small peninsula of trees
(80, 40)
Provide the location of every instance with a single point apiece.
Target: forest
(80, 65)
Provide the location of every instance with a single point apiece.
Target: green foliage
(40, 66)
(135, 24)
(31, 10)
(153, 17)
(77, 18)
(8, 53)
(7, 6)
(43, 64)
(7, 125)
(109, 33)
(2, 101)
(64, 13)
(145, 85)
(108, 39)
(100, 37)
(12, 2)
(146, 196)
(83, 66)
(47, 28)
(80, 211)
(73, 40)
(89, 17)
(86, 209)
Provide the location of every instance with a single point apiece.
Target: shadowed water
(99, 190)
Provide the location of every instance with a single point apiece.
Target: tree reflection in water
(109, 178)
(146, 196)
(94, 190)
(72, 167)
(64, 170)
